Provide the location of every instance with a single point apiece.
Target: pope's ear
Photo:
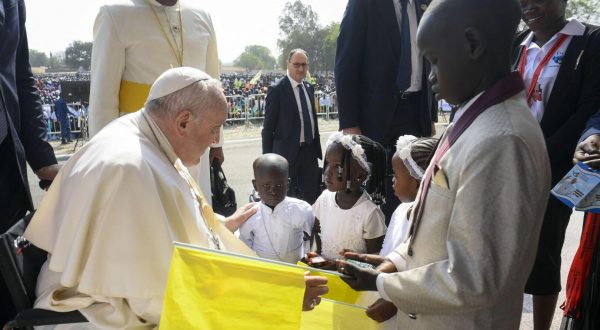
(182, 121)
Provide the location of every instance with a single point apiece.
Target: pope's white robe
(131, 50)
(108, 222)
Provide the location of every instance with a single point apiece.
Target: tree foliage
(79, 54)
(299, 28)
(37, 58)
(584, 10)
(255, 57)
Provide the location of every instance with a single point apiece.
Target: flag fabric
(255, 79)
(334, 315)
(210, 289)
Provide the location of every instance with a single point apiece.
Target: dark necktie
(308, 135)
(404, 67)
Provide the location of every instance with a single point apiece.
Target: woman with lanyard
(559, 61)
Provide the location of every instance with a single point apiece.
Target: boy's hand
(373, 259)
(387, 267)
(381, 310)
(362, 279)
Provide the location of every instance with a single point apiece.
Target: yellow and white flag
(210, 289)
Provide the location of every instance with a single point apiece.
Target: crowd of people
(48, 84)
(245, 95)
(444, 233)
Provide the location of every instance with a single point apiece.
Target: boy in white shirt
(282, 227)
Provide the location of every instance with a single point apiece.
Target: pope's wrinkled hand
(316, 286)
(360, 279)
(241, 215)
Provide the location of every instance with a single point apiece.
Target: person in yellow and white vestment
(112, 213)
(137, 40)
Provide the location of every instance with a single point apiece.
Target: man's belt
(132, 96)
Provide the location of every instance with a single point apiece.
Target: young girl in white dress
(347, 213)
(409, 163)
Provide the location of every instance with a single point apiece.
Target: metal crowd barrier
(251, 108)
(240, 110)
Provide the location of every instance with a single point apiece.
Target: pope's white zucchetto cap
(175, 79)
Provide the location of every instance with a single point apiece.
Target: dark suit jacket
(19, 99)
(281, 127)
(575, 97)
(366, 66)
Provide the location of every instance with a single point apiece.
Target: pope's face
(203, 132)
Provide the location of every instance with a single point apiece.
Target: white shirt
(349, 228)
(547, 77)
(308, 102)
(278, 234)
(415, 59)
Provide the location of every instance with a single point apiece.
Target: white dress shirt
(295, 84)
(278, 234)
(547, 77)
(415, 59)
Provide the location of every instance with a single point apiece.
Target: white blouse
(347, 229)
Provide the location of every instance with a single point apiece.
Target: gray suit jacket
(478, 237)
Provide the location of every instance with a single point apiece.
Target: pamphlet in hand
(580, 189)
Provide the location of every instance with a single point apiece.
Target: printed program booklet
(580, 189)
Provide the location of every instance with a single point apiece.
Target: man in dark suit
(380, 78)
(291, 130)
(22, 128)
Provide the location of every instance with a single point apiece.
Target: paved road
(238, 167)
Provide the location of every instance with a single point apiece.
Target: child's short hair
(415, 153)
(370, 155)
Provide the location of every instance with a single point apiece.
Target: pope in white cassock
(112, 213)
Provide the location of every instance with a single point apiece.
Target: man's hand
(352, 130)
(241, 215)
(216, 153)
(381, 310)
(361, 279)
(316, 286)
(433, 128)
(588, 151)
(373, 259)
(48, 172)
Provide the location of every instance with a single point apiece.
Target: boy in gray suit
(477, 218)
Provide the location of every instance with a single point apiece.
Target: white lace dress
(347, 228)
